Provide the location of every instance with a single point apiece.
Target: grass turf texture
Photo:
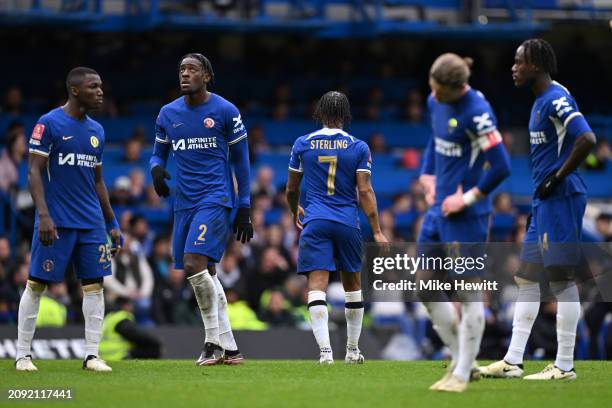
(178, 383)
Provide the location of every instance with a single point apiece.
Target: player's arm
(367, 202)
(157, 163)
(563, 111)
(112, 226)
(239, 155)
(292, 193)
(490, 142)
(37, 164)
(428, 172)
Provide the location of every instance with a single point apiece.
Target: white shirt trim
(570, 117)
(330, 132)
(296, 170)
(364, 171)
(40, 152)
(231, 142)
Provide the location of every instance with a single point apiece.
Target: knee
(92, 286)
(193, 265)
(36, 286)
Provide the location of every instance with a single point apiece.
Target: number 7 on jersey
(331, 174)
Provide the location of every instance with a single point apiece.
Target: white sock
(525, 314)
(226, 336)
(93, 311)
(446, 323)
(568, 313)
(317, 307)
(206, 295)
(26, 321)
(353, 310)
(470, 334)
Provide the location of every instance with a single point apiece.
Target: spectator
(121, 193)
(173, 301)
(276, 312)
(161, 258)
(413, 107)
(603, 224)
(11, 157)
(7, 265)
(257, 142)
(13, 99)
(230, 275)
(377, 143)
(133, 150)
(53, 310)
(137, 186)
(142, 237)
(599, 159)
(502, 204)
(264, 182)
(241, 315)
(132, 278)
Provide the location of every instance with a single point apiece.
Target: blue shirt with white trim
(463, 133)
(554, 126)
(73, 149)
(330, 160)
(201, 137)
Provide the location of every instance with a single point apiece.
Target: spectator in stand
(257, 142)
(132, 278)
(271, 271)
(377, 143)
(413, 110)
(13, 99)
(161, 258)
(7, 264)
(264, 182)
(598, 160)
(276, 312)
(11, 157)
(173, 300)
(502, 204)
(14, 286)
(137, 186)
(142, 237)
(121, 193)
(133, 150)
(152, 200)
(603, 225)
(230, 275)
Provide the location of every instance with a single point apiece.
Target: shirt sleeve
(295, 160)
(565, 109)
(365, 159)
(100, 153)
(41, 140)
(161, 148)
(482, 127)
(236, 128)
(429, 158)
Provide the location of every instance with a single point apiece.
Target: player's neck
(541, 84)
(332, 126)
(75, 111)
(197, 98)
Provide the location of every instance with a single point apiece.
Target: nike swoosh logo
(508, 370)
(67, 137)
(175, 125)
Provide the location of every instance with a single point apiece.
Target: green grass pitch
(379, 384)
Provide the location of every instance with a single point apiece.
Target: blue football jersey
(330, 160)
(200, 137)
(554, 125)
(73, 148)
(462, 131)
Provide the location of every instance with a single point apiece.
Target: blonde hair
(451, 70)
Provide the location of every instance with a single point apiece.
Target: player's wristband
(469, 198)
(112, 224)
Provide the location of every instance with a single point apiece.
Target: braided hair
(333, 108)
(206, 65)
(540, 53)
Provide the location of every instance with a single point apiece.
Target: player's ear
(74, 91)
(206, 77)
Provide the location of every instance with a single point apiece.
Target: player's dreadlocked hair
(76, 75)
(205, 64)
(451, 70)
(333, 108)
(541, 54)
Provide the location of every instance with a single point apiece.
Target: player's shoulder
(556, 92)
(177, 104)
(92, 123)
(478, 100)
(223, 104)
(53, 116)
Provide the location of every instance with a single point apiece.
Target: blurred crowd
(263, 289)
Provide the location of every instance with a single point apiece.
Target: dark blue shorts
(87, 249)
(202, 230)
(329, 246)
(554, 234)
(458, 236)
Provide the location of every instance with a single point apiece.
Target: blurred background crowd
(275, 81)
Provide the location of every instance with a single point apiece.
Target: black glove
(160, 175)
(242, 225)
(547, 187)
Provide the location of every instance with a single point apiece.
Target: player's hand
(454, 203)
(548, 186)
(243, 228)
(160, 175)
(298, 216)
(429, 183)
(116, 241)
(47, 231)
(380, 238)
